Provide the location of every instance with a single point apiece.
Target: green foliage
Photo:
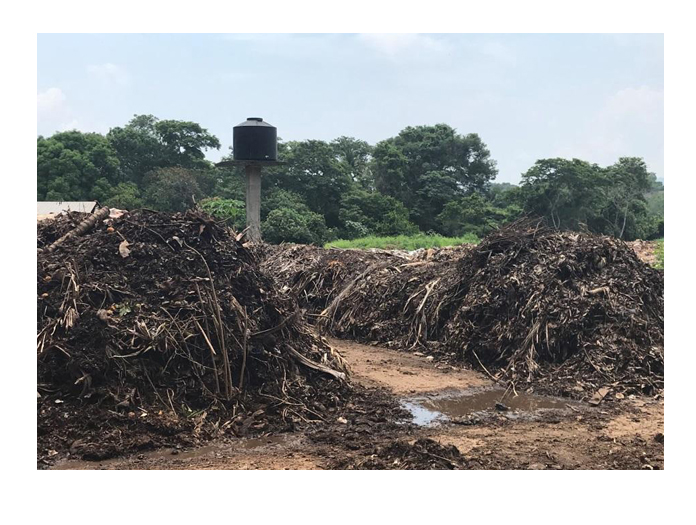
(289, 225)
(70, 164)
(287, 218)
(656, 203)
(355, 155)
(232, 211)
(575, 194)
(275, 198)
(364, 212)
(566, 192)
(474, 214)
(147, 143)
(404, 242)
(230, 184)
(314, 172)
(425, 167)
(125, 196)
(176, 189)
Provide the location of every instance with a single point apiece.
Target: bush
(232, 211)
(126, 196)
(289, 225)
(363, 213)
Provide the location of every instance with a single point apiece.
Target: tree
(577, 195)
(365, 213)
(275, 198)
(568, 193)
(176, 189)
(125, 196)
(355, 155)
(288, 225)
(69, 164)
(425, 167)
(626, 210)
(314, 173)
(147, 143)
(474, 214)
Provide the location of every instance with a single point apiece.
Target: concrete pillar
(253, 203)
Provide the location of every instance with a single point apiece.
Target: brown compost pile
(159, 322)
(316, 275)
(565, 311)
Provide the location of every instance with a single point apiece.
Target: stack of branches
(51, 229)
(562, 309)
(170, 312)
(400, 304)
(316, 275)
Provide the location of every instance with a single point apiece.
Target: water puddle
(467, 405)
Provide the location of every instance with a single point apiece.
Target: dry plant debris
(158, 322)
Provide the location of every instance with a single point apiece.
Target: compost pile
(316, 275)
(398, 305)
(157, 322)
(561, 309)
(566, 311)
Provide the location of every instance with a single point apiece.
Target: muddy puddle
(466, 406)
(176, 454)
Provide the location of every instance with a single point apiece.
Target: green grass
(403, 242)
(660, 253)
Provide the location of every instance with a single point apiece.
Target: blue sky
(595, 97)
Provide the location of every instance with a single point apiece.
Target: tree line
(427, 179)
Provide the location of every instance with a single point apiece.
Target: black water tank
(255, 139)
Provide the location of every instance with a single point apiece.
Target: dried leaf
(123, 249)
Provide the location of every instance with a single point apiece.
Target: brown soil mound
(160, 323)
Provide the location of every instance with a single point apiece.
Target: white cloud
(50, 101)
(110, 74)
(396, 45)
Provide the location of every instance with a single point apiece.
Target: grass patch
(404, 242)
(660, 254)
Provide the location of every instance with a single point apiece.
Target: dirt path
(625, 434)
(404, 372)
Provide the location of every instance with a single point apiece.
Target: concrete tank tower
(254, 145)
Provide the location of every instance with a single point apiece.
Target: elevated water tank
(256, 140)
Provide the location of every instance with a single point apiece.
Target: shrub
(232, 211)
(289, 225)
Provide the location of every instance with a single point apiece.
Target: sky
(594, 97)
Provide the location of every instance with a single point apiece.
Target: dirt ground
(617, 434)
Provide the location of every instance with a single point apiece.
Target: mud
(467, 407)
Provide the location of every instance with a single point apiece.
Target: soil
(617, 434)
